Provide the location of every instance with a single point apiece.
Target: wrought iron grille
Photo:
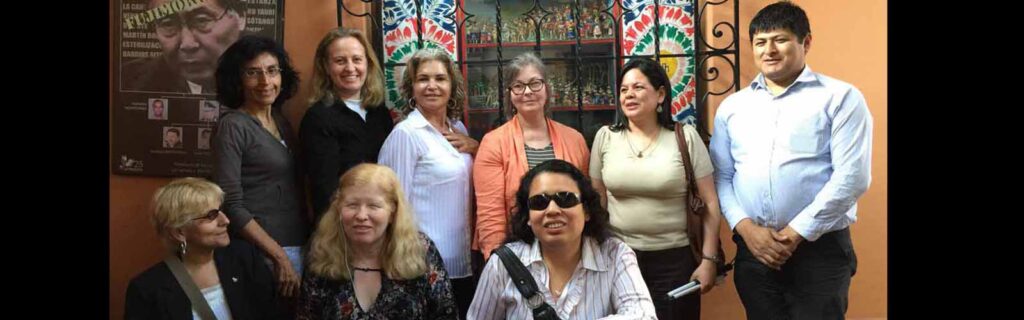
(424, 18)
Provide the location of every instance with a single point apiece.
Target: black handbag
(526, 285)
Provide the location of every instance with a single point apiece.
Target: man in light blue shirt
(792, 154)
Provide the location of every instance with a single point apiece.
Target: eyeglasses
(564, 199)
(211, 215)
(520, 88)
(256, 73)
(200, 22)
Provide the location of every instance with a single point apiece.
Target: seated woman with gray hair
(205, 272)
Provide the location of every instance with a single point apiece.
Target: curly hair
(229, 70)
(458, 92)
(598, 227)
(403, 256)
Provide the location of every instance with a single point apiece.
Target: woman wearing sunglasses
(649, 213)
(560, 233)
(528, 139)
(230, 276)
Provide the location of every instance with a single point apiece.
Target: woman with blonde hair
(347, 121)
(368, 260)
(229, 276)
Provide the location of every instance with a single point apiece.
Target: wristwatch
(714, 258)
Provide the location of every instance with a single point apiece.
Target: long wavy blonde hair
(403, 257)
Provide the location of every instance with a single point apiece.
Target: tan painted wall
(849, 44)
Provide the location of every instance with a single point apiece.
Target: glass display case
(583, 43)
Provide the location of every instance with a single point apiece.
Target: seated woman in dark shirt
(367, 259)
(230, 274)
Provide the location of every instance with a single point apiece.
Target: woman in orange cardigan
(506, 153)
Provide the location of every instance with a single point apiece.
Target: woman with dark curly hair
(253, 150)
(561, 233)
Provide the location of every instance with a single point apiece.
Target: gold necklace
(641, 153)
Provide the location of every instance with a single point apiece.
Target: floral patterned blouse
(426, 297)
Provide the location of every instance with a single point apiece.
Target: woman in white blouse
(432, 155)
(560, 233)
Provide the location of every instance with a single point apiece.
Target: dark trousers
(665, 270)
(464, 289)
(813, 284)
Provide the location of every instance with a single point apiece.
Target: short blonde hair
(372, 93)
(404, 257)
(458, 93)
(177, 203)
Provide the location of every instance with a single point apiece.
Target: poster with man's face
(167, 57)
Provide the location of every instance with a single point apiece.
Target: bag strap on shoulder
(191, 290)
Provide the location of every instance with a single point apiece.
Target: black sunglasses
(209, 215)
(563, 199)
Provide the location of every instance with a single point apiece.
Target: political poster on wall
(164, 95)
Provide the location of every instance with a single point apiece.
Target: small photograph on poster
(157, 109)
(204, 138)
(209, 110)
(172, 137)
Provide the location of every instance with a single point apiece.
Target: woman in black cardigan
(347, 122)
(230, 274)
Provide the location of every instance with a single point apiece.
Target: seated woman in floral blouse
(367, 260)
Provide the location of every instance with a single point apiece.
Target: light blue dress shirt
(801, 158)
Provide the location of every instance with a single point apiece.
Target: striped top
(536, 156)
(436, 180)
(606, 282)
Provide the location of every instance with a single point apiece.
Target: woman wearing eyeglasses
(637, 166)
(506, 153)
(560, 233)
(253, 151)
(229, 276)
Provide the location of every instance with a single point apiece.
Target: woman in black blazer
(231, 274)
(347, 121)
